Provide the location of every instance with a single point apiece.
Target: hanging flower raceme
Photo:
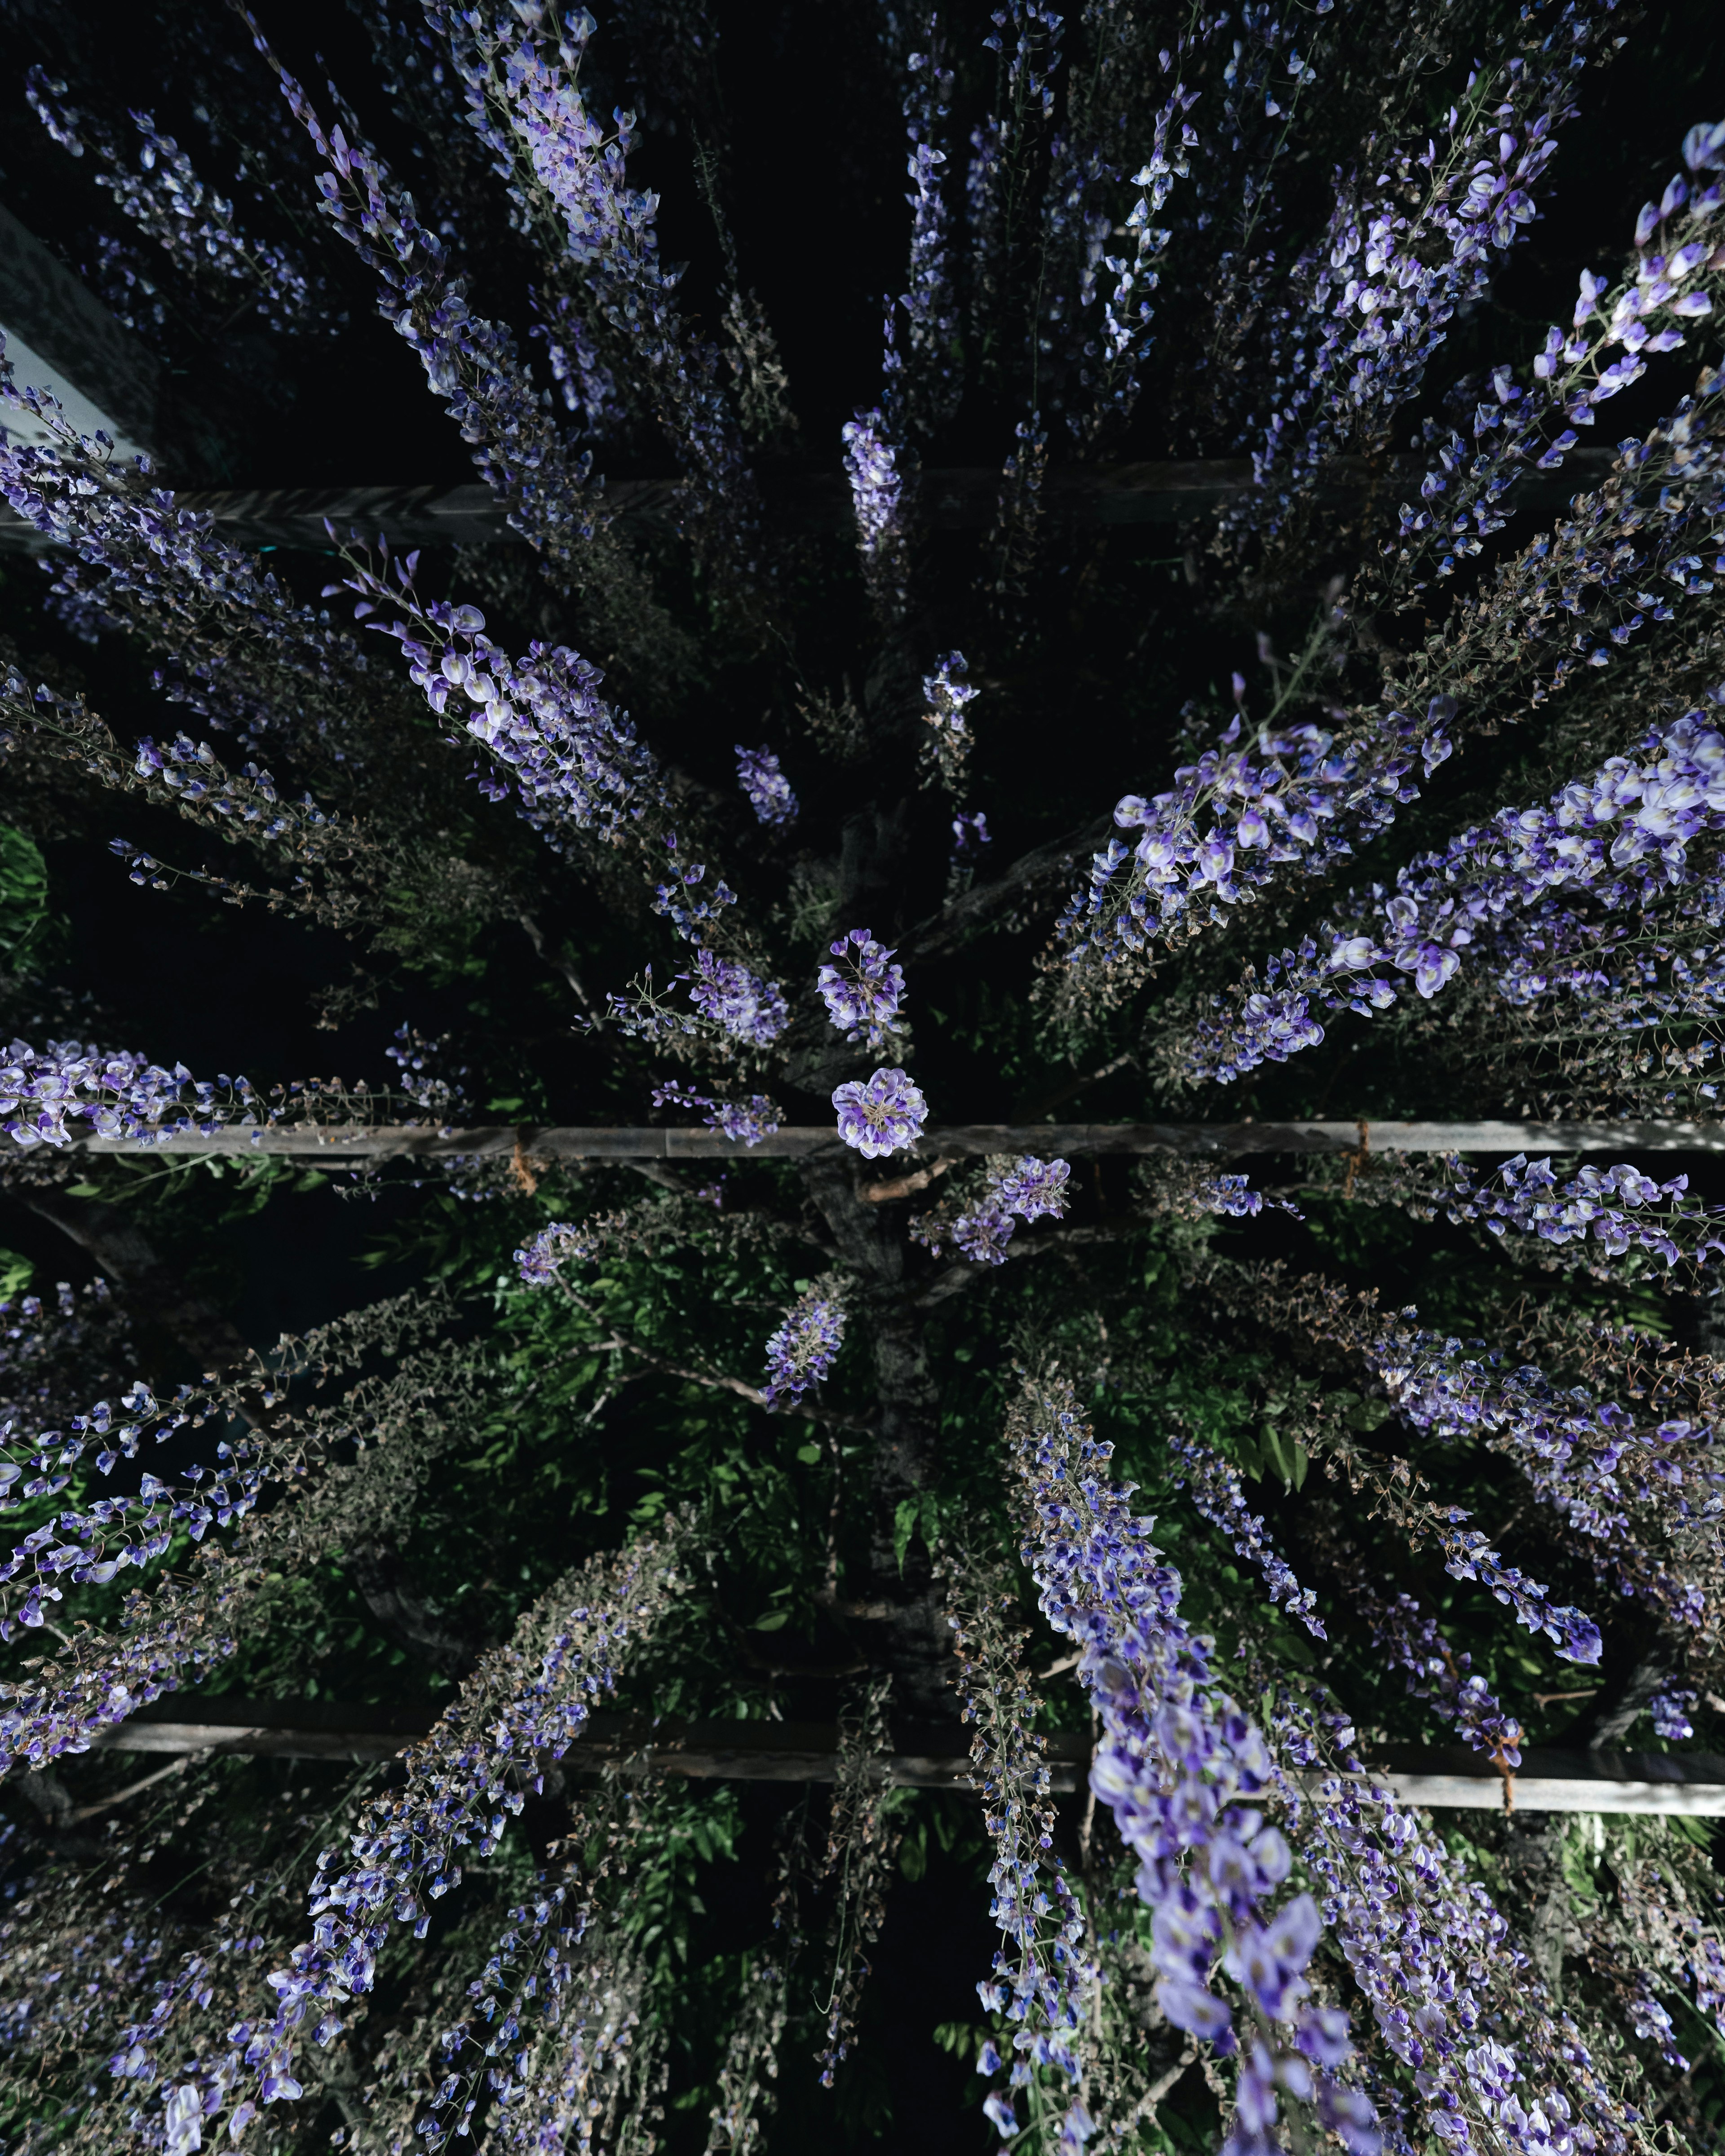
(563, 1243)
(946, 692)
(768, 790)
(1044, 1976)
(1404, 249)
(805, 1347)
(1623, 1490)
(922, 393)
(1213, 1485)
(1180, 1766)
(523, 101)
(1678, 280)
(1620, 838)
(1498, 2064)
(877, 497)
(744, 1122)
(1440, 1675)
(1236, 820)
(525, 1703)
(881, 1115)
(1618, 1208)
(573, 759)
(119, 1096)
(165, 198)
(726, 997)
(1025, 1189)
(864, 991)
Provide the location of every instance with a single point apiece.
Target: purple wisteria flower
(803, 1350)
(1235, 819)
(768, 789)
(737, 1001)
(563, 1243)
(946, 693)
(1180, 1767)
(970, 833)
(876, 495)
(1028, 1190)
(1622, 838)
(923, 393)
(1045, 1974)
(1586, 1458)
(1618, 1208)
(1438, 1673)
(1214, 1487)
(197, 228)
(744, 1122)
(1671, 1708)
(119, 1095)
(572, 757)
(525, 102)
(863, 991)
(879, 1115)
(526, 1703)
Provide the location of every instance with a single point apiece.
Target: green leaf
(810, 1455)
(775, 1620)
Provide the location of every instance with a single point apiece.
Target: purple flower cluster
(744, 1122)
(563, 1243)
(1403, 251)
(739, 1002)
(1437, 1963)
(1180, 1766)
(879, 1115)
(691, 917)
(923, 395)
(574, 759)
(1044, 1975)
(877, 497)
(1671, 1708)
(803, 1350)
(165, 198)
(863, 991)
(1621, 837)
(469, 362)
(768, 790)
(523, 1705)
(1129, 311)
(970, 833)
(946, 692)
(1236, 817)
(1028, 1190)
(1674, 283)
(1437, 1672)
(1586, 1458)
(523, 101)
(1619, 1207)
(1214, 1485)
(120, 1096)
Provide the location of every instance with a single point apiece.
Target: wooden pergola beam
(932, 1756)
(330, 1143)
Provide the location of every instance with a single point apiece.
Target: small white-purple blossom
(744, 1122)
(881, 1115)
(970, 832)
(768, 788)
(1029, 1189)
(563, 1243)
(863, 991)
(802, 1352)
(738, 1002)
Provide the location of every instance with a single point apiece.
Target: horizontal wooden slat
(331, 1143)
(923, 1757)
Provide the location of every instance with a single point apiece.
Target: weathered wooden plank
(332, 1142)
(921, 1756)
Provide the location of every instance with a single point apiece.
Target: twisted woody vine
(1158, 566)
